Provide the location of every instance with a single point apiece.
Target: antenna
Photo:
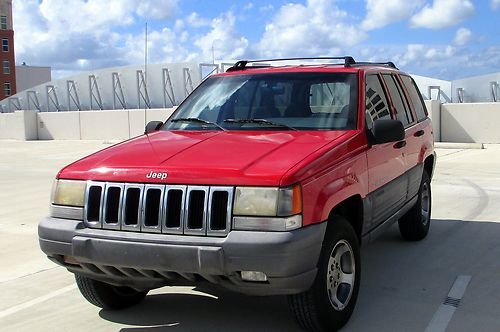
(145, 67)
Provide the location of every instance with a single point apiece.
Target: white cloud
(380, 13)
(443, 14)
(223, 39)
(163, 46)
(248, 6)
(156, 9)
(317, 28)
(462, 37)
(196, 21)
(74, 35)
(495, 4)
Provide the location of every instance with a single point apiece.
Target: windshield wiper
(259, 121)
(197, 120)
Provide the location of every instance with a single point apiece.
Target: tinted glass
(416, 97)
(301, 101)
(376, 103)
(403, 113)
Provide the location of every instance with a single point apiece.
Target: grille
(169, 209)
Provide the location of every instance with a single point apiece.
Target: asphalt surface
(403, 284)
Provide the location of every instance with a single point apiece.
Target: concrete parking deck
(403, 284)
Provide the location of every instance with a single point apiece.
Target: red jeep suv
(265, 181)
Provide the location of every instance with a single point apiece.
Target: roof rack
(242, 64)
(348, 62)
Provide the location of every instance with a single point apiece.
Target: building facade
(28, 77)
(7, 59)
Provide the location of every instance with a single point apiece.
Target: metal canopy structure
(167, 84)
(94, 93)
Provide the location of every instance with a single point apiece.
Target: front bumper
(143, 260)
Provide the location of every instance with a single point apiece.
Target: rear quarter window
(402, 109)
(415, 96)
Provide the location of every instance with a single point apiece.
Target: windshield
(284, 101)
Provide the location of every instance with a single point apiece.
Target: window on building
(6, 66)
(376, 103)
(3, 22)
(5, 44)
(6, 89)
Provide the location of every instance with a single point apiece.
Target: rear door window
(376, 102)
(415, 96)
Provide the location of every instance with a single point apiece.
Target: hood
(211, 158)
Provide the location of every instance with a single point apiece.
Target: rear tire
(107, 296)
(414, 225)
(329, 303)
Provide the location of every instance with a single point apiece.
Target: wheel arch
(429, 164)
(351, 209)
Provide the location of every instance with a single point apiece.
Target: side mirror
(153, 126)
(385, 131)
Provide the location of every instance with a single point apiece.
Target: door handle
(419, 133)
(400, 144)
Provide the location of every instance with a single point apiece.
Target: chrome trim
(104, 204)
(162, 225)
(136, 227)
(93, 224)
(152, 229)
(174, 230)
(203, 229)
(229, 207)
(66, 212)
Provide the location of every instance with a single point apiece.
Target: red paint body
(330, 166)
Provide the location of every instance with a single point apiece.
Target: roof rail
(385, 64)
(242, 64)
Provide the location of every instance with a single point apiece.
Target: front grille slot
(174, 208)
(196, 210)
(152, 207)
(169, 209)
(94, 204)
(218, 213)
(132, 204)
(112, 205)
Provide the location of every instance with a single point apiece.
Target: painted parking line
(445, 312)
(25, 305)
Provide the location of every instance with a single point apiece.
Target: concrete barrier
(59, 125)
(459, 123)
(105, 125)
(470, 123)
(20, 125)
(434, 111)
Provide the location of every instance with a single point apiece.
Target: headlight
(267, 202)
(69, 192)
(255, 201)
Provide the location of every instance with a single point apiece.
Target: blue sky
(446, 39)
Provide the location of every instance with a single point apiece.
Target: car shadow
(402, 285)
(203, 312)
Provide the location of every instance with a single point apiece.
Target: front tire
(414, 225)
(107, 296)
(329, 303)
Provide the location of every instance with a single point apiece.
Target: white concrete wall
(434, 111)
(460, 123)
(59, 125)
(470, 123)
(20, 125)
(106, 125)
